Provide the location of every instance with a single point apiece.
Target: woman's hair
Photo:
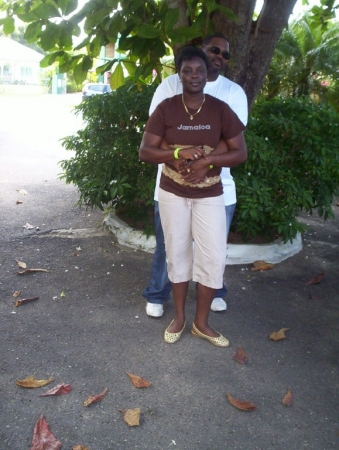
(187, 54)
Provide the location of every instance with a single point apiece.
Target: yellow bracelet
(176, 153)
(211, 166)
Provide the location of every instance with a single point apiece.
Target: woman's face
(193, 75)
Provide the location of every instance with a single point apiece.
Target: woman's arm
(151, 152)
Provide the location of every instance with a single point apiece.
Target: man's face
(217, 63)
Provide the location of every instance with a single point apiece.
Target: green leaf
(49, 37)
(95, 46)
(50, 59)
(130, 67)
(8, 25)
(46, 11)
(69, 63)
(32, 31)
(95, 19)
(148, 32)
(171, 18)
(67, 6)
(79, 73)
(87, 63)
(117, 78)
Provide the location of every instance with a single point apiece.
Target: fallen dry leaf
(278, 335)
(59, 389)
(240, 355)
(19, 202)
(21, 264)
(31, 271)
(242, 405)
(43, 439)
(25, 300)
(16, 294)
(32, 382)
(317, 279)
(79, 447)
(27, 226)
(131, 416)
(93, 399)
(138, 381)
(261, 265)
(288, 398)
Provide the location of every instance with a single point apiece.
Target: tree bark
(252, 43)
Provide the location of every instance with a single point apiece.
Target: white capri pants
(202, 220)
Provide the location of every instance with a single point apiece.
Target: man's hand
(194, 171)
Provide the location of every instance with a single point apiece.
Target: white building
(18, 63)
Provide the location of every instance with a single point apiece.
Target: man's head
(216, 48)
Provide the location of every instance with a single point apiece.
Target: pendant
(191, 117)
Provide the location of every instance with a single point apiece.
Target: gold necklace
(192, 115)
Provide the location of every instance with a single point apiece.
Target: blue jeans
(160, 287)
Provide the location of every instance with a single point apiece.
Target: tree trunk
(252, 43)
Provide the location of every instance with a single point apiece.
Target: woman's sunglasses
(217, 51)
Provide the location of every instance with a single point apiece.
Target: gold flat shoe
(219, 341)
(171, 338)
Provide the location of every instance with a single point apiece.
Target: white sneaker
(218, 304)
(154, 310)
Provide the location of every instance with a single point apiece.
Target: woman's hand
(191, 153)
(194, 171)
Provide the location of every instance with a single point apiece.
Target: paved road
(89, 326)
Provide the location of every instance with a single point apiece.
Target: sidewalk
(89, 327)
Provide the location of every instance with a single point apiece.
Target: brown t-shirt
(215, 121)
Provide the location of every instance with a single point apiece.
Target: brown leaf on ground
(278, 335)
(79, 447)
(19, 202)
(240, 355)
(32, 382)
(242, 405)
(16, 294)
(261, 265)
(43, 439)
(59, 389)
(317, 279)
(95, 398)
(138, 381)
(31, 271)
(21, 264)
(25, 300)
(131, 416)
(288, 398)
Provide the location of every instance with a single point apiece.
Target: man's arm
(238, 102)
(169, 87)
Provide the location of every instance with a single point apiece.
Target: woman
(187, 128)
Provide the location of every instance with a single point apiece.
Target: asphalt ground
(89, 326)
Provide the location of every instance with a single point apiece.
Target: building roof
(13, 51)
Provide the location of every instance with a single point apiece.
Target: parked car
(95, 88)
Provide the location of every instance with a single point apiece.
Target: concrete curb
(274, 253)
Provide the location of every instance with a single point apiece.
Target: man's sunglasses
(217, 51)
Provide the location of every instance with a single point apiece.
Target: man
(216, 48)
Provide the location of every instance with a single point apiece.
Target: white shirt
(223, 89)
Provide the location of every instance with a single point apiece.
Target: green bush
(105, 167)
(293, 165)
(293, 162)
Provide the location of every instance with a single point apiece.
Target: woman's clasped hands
(193, 164)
